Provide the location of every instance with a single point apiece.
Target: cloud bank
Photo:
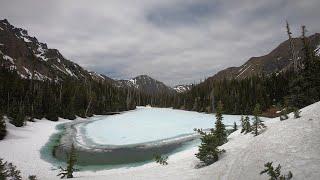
(174, 41)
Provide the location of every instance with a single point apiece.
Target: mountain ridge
(146, 84)
(275, 61)
(34, 60)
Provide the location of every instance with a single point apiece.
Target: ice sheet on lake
(149, 124)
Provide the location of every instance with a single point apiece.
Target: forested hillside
(37, 82)
(296, 85)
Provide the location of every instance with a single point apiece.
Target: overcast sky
(174, 41)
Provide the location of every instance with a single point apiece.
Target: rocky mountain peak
(33, 59)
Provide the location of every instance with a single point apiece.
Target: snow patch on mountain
(182, 88)
(8, 58)
(28, 72)
(317, 50)
(241, 72)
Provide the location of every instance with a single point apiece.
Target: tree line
(295, 87)
(298, 86)
(24, 99)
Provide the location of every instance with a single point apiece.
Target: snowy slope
(294, 143)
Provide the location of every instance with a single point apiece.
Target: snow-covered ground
(294, 143)
(22, 147)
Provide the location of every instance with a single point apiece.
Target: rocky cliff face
(34, 60)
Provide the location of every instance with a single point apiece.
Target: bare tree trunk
(212, 100)
(88, 107)
(8, 102)
(90, 100)
(292, 51)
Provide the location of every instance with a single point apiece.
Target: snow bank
(294, 143)
(22, 147)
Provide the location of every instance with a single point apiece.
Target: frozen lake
(147, 124)
(134, 136)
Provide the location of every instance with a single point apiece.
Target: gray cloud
(175, 41)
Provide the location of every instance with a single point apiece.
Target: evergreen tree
(305, 88)
(235, 128)
(208, 150)
(284, 114)
(3, 170)
(17, 117)
(9, 172)
(243, 128)
(32, 177)
(13, 172)
(246, 126)
(296, 112)
(220, 129)
(3, 130)
(275, 174)
(257, 122)
(72, 159)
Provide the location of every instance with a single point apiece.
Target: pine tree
(9, 172)
(284, 114)
(305, 88)
(247, 125)
(3, 130)
(32, 177)
(296, 112)
(13, 172)
(208, 150)
(220, 130)
(18, 117)
(257, 122)
(3, 170)
(243, 129)
(235, 128)
(72, 159)
(275, 174)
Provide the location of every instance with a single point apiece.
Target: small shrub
(9, 171)
(284, 114)
(275, 173)
(296, 112)
(161, 159)
(3, 131)
(32, 177)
